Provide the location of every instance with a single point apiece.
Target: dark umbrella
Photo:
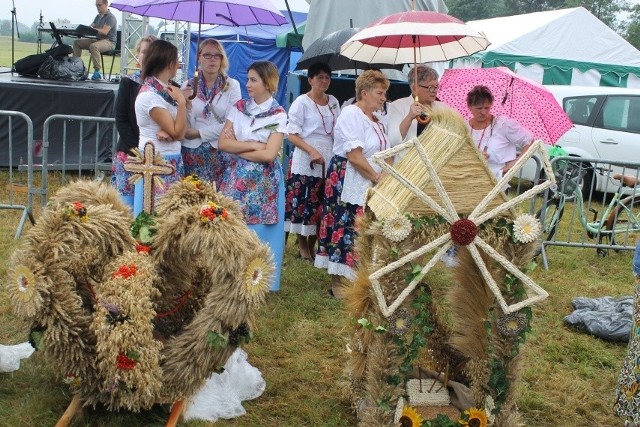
(327, 50)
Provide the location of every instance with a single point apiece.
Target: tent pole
(293, 23)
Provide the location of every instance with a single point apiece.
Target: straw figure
(433, 339)
(133, 319)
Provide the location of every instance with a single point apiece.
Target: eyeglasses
(209, 56)
(432, 89)
(100, 4)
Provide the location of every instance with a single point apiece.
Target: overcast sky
(76, 11)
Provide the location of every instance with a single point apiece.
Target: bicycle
(621, 216)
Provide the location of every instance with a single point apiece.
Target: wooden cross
(147, 166)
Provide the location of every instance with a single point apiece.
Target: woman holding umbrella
(253, 134)
(405, 113)
(312, 117)
(359, 134)
(215, 96)
(161, 112)
(497, 137)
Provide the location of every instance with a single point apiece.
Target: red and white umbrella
(414, 37)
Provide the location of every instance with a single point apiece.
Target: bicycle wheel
(552, 216)
(625, 218)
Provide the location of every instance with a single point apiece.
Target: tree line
(620, 15)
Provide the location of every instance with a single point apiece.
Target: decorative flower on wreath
(141, 247)
(127, 361)
(75, 211)
(399, 322)
(396, 228)
(194, 180)
(71, 379)
(126, 271)
(23, 283)
(463, 231)
(410, 417)
(473, 417)
(512, 324)
(212, 213)
(257, 279)
(526, 228)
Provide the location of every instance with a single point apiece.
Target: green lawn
(568, 377)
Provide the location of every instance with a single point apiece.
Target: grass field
(568, 378)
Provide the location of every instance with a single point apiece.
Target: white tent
(567, 46)
(327, 16)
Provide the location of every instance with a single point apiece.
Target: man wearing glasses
(106, 25)
(404, 112)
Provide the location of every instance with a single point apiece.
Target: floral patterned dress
(258, 187)
(628, 388)
(345, 190)
(209, 110)
(154, 95)
(314, 124)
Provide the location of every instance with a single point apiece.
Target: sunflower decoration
(526, 228)
(399, 322)
(212, 213)
(396, 228)
(75, 212)
(257, 280)
(410, 417)
(23, 291)
(512, 324)
(473, 417)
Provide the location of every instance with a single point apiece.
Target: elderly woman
(215, 96)
(404, 113)
(127, 125)
(312, 117)
(161, 113)
(359, 134)
(253, 135)
(497, 137)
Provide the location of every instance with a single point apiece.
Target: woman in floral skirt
(628, 390)
(216, 94)
(253, 135)
(359, 134)
(312, 117)
(161, 113)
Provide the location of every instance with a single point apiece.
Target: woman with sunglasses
(404, 113)
(215, 96)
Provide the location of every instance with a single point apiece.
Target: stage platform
(39, 99)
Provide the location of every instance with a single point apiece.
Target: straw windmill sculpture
(461, 327)
(135, 319)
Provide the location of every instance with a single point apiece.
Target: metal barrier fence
(89, 153)
(12, 186)
(595, 204)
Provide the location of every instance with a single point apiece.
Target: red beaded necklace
(382, 137)
(333, 117)
(484, 129)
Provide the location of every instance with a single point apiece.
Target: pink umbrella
(524, 100)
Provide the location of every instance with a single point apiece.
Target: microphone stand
(14, 31)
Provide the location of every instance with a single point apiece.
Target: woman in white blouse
(161, 113)
(359, 134)
(253, 135)
(216, 94)
(497, 137)
(312, 117)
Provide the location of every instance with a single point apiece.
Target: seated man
(106, 24)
